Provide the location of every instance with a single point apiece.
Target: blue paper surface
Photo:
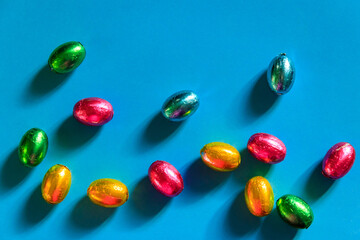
(138, 54)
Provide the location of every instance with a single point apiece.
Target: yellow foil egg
(56, 184)
(107, 192)
(259, 196)
(220, 156)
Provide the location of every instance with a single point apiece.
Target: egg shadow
(46, 81)
(274, 227)
(36, 209)
(200, 178)
(71, 134)
(146, 201)
(87, 216)
(13, 172)
(250, 167)
(159, 129)
(239, 220)
(317, 184)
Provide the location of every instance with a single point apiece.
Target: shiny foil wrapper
(33, 147)
(220, 156)
(180, 106)
(56, 184)
(266, 148)
(295, 211)
(259, 196)
(66, 57)
(338, 160)
(93, 111)
(107, 192)
(281, 74)
(165, 178)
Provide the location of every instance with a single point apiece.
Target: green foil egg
(295, 211)
(33, 147)
(66, 57)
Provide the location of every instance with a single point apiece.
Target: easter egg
(66, 57)
(33, 147)
(259, 196)
(281, 74)
(93, 111)
(56, 184)
(180, 106)
(266, 148)
(220, 156)
(107, 192)
(295, 211)
(166, 178)
(338, 160)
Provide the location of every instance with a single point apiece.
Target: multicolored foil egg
(66, 57)
(266, 148)
(107, 192)
(166, 178)
(281, 74)
(56, 184)
(93, 111)
(180, 106)
(33, 147)
(259, 196)
(295, 211)
(220, 156)
(338, 160)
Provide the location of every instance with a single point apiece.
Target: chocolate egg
(338, 160)
(220, 156)
(295, 211)
(266, 148)
(281, 74)
(93, 111)
(165, 178)
(107, 192)
(66, 57)
(33, 147)
(56, 184)
(259, 196)
(180, 106)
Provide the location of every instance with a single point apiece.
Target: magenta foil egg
(166, 178)
(93, 111)
(338, 160)
(266, 148)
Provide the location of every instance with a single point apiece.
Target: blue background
(139, 53)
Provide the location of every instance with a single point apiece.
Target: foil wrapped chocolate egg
(338, 160)
(281, 74)
(266, 148)
(220, 156)
(33, 147)
(93, 111)
(107, 192)
(56, 184)
(295, 211)
(180, 106)
(66, 57)
(165, 178)
(259, 196)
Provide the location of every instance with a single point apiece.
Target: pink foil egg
(338, 160)
(93, 111)
(266, 148)
(165, 178)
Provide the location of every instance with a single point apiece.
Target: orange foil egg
(107, 192)
(259, 196)
(56, 184)
(220, 156)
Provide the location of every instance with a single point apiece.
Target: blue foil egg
(281, 74)
(180, 106)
